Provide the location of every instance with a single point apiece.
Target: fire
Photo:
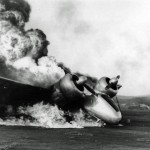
(47, 116)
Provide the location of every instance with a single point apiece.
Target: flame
(48, 116)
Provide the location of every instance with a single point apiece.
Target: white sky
(99, 38)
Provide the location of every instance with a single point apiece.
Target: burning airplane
(29, 76)
(70, 93)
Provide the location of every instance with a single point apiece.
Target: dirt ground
(134, 134)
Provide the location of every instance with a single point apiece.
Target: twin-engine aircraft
(70, 93)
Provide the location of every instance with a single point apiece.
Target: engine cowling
(108, 86)
(70, 88)
(67, 92)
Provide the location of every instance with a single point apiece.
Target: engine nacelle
(108, 86)
(67, 92)
(70, 88)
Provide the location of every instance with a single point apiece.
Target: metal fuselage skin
(103, 107)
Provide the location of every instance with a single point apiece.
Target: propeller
(113, 83)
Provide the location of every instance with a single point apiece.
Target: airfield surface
(134, 135)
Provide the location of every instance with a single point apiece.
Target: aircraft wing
(16, 93)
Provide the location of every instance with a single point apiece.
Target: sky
(99, 38)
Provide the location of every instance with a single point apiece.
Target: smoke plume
(100, 38)
(24, 53)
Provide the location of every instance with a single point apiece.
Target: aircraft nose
(110, 117)
(103, 109)
(115, 118)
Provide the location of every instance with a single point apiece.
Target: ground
(134, 134)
